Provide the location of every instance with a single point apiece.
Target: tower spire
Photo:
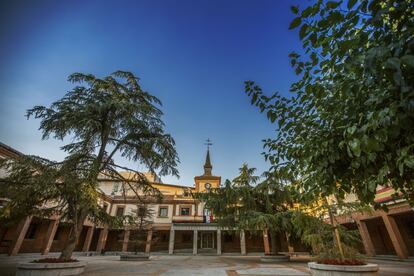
(207, 165)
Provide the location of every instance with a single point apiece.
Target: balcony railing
(187, 219)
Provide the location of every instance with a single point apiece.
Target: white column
(149, 240)
(171, 242)
(195, 242)
(103, 235)
(21, 231)
(88, 239)
(266, 242)
(125, 241)
(218, 242)
(365, 237)
(395, 236)
(242, 242)
(50, 234)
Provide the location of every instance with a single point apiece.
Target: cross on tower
(207, 164)
(208, 143)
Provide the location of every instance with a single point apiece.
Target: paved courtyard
(196, 265)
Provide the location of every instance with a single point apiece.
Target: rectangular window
(163, 212)
(142, 211)
(31, 232)
(185, 211)
(105, 207)
(120, 211)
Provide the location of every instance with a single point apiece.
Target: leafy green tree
(348, 125)
(139, 222)
(102, 118)
(314, 222)
(246, 176)
(40, 187)
(240, 204)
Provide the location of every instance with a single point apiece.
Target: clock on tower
(207, 181)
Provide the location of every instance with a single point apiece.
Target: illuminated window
(141, 211)
(120, 211)
(163, 212)
(185, 211)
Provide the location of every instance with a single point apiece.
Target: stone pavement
(194, 265)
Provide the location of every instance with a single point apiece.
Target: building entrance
(207, 240)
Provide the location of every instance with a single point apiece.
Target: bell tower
(207, 180)
(207, 165)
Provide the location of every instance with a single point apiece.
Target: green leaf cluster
(244, 204)
(102, 118)
(348, 126)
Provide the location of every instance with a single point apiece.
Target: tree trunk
(336, 237)
(74, 234)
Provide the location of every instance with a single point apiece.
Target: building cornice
(8, 151)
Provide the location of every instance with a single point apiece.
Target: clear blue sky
(193, 55)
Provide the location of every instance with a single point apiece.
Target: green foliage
(104, 117)
(111, 116)
(139, 222)
(310, 224)
(240, 205)
(246, 177)
(37, 186)
(348, 126)
(140, 218)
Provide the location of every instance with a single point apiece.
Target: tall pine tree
(102, 118)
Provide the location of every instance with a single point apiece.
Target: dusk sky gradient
(193, 55)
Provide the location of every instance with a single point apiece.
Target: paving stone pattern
(166, 265)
